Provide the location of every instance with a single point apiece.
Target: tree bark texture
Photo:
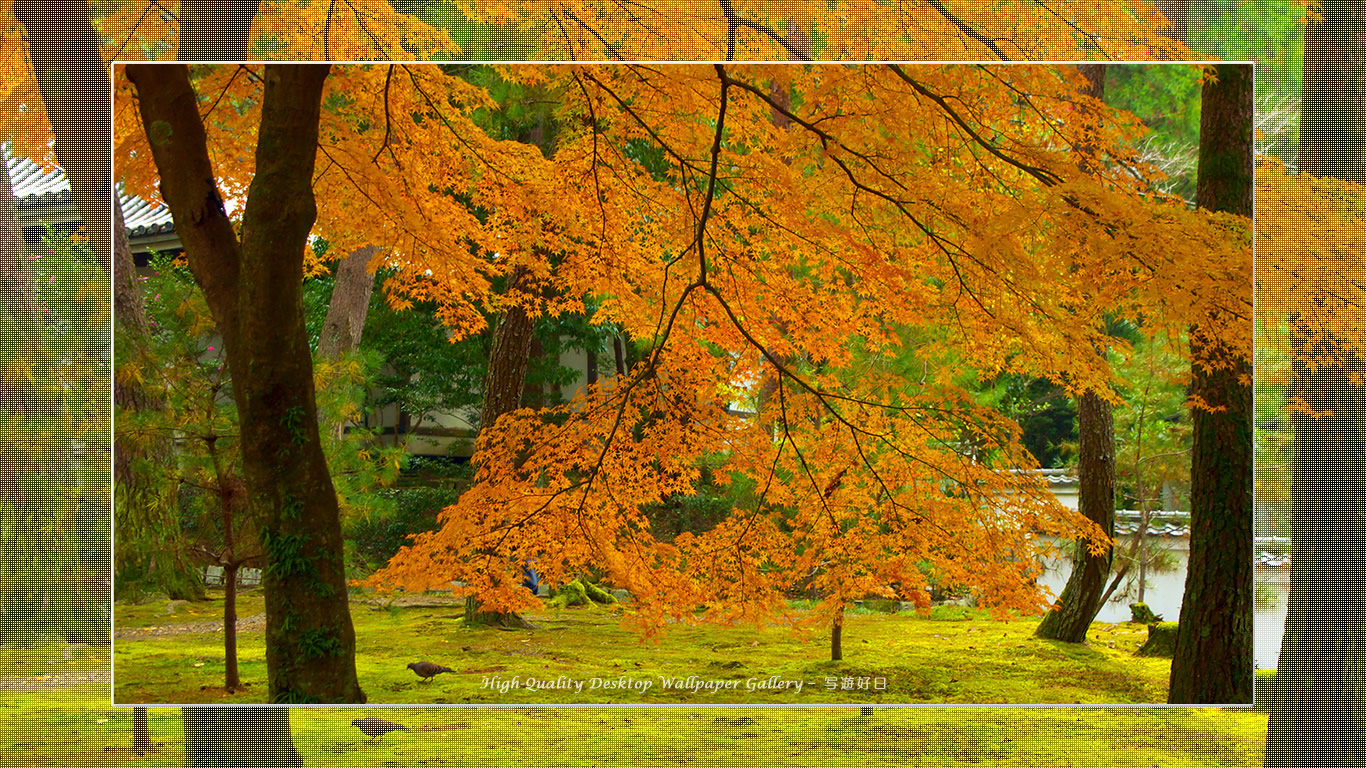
(506, 377)
(1080, 600)
(1212, 663)
(1178, 13)
(504, 385)
(142, 734)
(239, 737)
(254, 292)
(1318, 709)
(65, 52)
(346, 312)
(215, 30)
(17, 294)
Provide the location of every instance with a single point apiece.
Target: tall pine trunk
(1318, 712)
(1212, 663)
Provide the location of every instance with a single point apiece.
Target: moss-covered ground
(578, 655)
(95, 737)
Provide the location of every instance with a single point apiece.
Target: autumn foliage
(810, 257)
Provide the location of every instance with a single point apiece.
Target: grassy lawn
(584, 655)
(583, 738)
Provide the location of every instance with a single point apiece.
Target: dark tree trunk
(215, 30)
(1212, 663)
(1178, 13)
(508, 359)
(1318, 709)
(254, 292)
(620, 356)
(533, 392)
(1080, 600)
(71, 74)
(239, 737)
(503, 387)
(142, 734)
(591, 366)
(837, 636)
(231, 681)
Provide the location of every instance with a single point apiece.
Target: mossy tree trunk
(1212, 663)
(1318, 713)
(254, 290)
(72, 76)
(240, 737)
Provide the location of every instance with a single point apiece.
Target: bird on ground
(373, 726)
(427, 669)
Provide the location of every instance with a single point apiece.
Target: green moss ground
(583, 738)
(956, 656)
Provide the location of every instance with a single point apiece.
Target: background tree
(1214, 640)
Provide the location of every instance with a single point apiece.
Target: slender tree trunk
(837, 636)
(503, 387)
(346, 313)
(65, 52)
(231, 681)
(254, 292)
(142, 734)
(1318, 709)
(1080, 599)
(1212, 663)
(239, 737)
(215, 30)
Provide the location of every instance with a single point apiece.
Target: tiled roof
(1160, 523)
(143, 218)
(35, 187)
(38, 191)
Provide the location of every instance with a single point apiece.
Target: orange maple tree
(667, 29)
(780, 238)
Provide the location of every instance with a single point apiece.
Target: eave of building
(42, 197)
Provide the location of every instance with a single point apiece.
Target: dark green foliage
(1046, 415)
(376, 539)
(697, 513)
(1143, 614)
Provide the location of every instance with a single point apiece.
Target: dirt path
(38, 683)
(254, 623)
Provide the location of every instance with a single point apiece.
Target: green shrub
(415, 509)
